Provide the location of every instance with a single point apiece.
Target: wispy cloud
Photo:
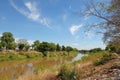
(32, 12)
(3, 18)
(89, 34)
(74, 29)
(64, 17)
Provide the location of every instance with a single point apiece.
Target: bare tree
(109, 13)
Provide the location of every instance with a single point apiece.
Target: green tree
(58, 47)
(36, 45)
(27, 47)
(7, 40)
(21, 46)
(68, 49)
(0, 46)
(52, 47)
(95, 50)
(44, 47)
(113, 46)
(63, 48)
(22, 43)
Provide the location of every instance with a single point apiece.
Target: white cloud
(32, 13)
(74, 29)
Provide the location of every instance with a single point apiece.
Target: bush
(66, 73)
(103, 60)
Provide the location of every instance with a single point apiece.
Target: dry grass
(43, 75)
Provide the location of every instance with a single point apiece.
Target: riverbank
(12, 56)
(14, 66)
(97, 66)
(90, 67)
(100, 66)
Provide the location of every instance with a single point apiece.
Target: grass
(40, 63)
(84, 67)
(103, 60)
(8, 56)
(44, 69)
(66, 73)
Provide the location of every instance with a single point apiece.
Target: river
(11, 70)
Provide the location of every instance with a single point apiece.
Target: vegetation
(103, 60)
(44, 54)
(66, 73)
(7, 43)
(84, 67)
(109, 15)
(95, 50)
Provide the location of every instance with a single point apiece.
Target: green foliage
(21, 46)
(63, 48)
(66, 73)
(58, 47)
(0, 46)
(68, 48)
(36, 45)
(103, 60)
(113, 47)
(7, 40)
(52, 47)
(95, 50)
(27, 46)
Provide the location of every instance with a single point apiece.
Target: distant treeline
(8, 43)
(90, 51)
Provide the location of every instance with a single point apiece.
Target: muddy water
(12, 70)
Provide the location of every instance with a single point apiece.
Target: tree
(95, 50)
(109, 15)
(68, 49)
(63, 48)
(36, 45)
(52, 47)
(58, 47)
(7, 40)
(0, 46)
(22, 43)
(113, 46)
(44, 47)
(27, 46)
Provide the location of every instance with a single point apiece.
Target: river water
(13, 70)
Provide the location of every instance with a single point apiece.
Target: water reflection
(28, 68)
(78, 57)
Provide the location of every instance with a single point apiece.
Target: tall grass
(85, 66)
(8, 56)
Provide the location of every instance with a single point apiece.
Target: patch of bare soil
(108, 71)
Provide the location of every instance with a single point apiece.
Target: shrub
(103, 60)
(66, 73)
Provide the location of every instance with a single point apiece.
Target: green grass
(8, 56)
(103, 60)
(67, 73)
(70, 72)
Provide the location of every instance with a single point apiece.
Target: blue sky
(49, 20)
